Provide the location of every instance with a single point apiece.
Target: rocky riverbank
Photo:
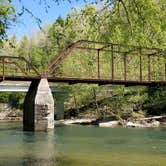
(11, 115)
(155, 121)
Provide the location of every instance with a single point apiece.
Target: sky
(26, 24)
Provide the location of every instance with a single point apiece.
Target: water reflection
(38, 149)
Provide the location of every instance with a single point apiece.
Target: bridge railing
(97, 60)
(16, 66)
(89, 60)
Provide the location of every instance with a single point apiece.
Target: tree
(133, 22)
(7, 17)
(10, 46)
(130, 12)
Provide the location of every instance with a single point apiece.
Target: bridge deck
(88, 81)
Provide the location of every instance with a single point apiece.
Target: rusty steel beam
(122, 45)
(13, 63)
(112, 62)
(140, 56)
(98, 63)
(125, 67)
(21, 59)
(165, 71)
(82, 44)
(115, 51)
(149, 69)
(20, 78)
(21, 69)
(95, 49)
(87, 81)
(61, 57)
(3, 69)
(78, 45)
(106, 81)
(33, 68)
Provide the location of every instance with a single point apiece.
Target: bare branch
(126, 11)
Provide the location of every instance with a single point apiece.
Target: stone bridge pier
(38, 114)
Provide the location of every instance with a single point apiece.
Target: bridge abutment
(38, 107)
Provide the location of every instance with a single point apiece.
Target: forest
(139, 23)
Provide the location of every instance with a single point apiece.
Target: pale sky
(26, 24)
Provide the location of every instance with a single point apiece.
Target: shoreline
(147, 122)
(113, 123)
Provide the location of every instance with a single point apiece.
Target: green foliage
(136, 22)
(16, 100)
(122, 103)
(144, 24)
(7, 15)
(4, 97)
(80, 95)
(156, 101)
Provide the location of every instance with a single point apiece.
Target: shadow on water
(38, 149)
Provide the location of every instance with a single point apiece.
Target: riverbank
(11, 115)
(112, 121)
(125, 105)
(156, 121)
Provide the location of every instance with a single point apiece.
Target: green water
(82, 146)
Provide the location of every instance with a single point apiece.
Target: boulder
(74, 121)
(109, 124)
(132, 124)
(155, 123)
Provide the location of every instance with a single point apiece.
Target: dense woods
(140, 23)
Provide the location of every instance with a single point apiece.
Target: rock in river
(109, 124)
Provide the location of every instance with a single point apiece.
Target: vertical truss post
(149, 69)
(165, 71)
(98, 63)
(140, 67)
(3, 69)
(112, 62)
(125, 67)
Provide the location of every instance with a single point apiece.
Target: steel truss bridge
(94, 63)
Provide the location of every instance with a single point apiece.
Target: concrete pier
(38, 107)
(60, 97)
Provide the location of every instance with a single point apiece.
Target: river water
(82, 146)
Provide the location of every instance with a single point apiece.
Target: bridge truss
(95, 62)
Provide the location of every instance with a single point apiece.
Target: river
(82, 146)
